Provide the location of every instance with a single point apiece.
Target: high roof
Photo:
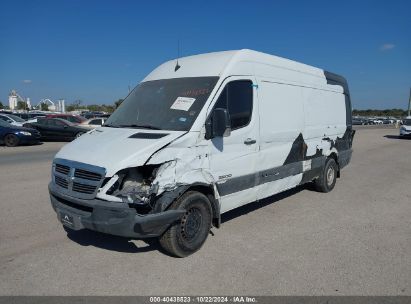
(239, 62)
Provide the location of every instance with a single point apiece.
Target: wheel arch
(3, 139)
(164, 201)
(334, 155)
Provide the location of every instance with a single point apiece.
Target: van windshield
(167, 104)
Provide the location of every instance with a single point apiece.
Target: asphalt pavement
(355, 240)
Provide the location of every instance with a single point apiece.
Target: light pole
(409, 104)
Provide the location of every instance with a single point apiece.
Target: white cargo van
(199, 137)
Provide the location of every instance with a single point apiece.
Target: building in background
(15, 98)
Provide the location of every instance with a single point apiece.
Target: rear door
(43, 127)
(51, 129)
(63, 130)
(233, 158)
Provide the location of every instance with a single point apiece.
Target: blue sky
(94, 50)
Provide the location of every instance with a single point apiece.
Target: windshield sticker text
(182, 103)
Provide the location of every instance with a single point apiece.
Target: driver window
(237, 98)
(59, 123)
(6, 119)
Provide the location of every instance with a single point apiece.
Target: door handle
(249, 141)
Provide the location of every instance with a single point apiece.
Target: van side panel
(325, 119)
(281, 123)
(300, 126)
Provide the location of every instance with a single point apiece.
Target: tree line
(382, 113)
(78, 105)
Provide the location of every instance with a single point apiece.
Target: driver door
(233, 158)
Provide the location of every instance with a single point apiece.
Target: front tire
(188, 235)
(11, 140)
(326, 181)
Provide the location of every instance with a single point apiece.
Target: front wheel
(188, 235)
(11, 140)
(328, 177)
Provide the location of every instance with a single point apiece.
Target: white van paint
(300, 116)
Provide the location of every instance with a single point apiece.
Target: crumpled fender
(183, 164)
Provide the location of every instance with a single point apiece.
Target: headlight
(24, 133)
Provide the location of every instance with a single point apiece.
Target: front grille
(62, 169)
(83, 188)
(61, 182)
(87, 175)
(77, 179)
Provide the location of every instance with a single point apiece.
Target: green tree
(21, 105)
(386, 112)
(1, 105)
(110, 108)
(118, 102)
(94, 108)
(76, 105)
(70, 108)
(44, 106)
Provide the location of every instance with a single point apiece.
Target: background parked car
(12, 119)
(30, 116)
(405, 130)
(13, 136)
(57, 129)
(93, 123)
(358, 120)
(76, 119)
(94, 114)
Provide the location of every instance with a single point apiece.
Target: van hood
(117, 148)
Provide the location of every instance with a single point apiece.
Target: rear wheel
(326, 182)
(11, 140)
(189, 234)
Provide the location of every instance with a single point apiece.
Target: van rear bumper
(110, 217)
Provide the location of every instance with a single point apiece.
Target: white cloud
(387, 47)
(27, 81)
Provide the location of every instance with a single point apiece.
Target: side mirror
(218, 124)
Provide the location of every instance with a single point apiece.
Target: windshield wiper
(140, 126)
(110, 126)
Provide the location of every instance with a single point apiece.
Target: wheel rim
(11, 140)
(330, 176)
(191, 224)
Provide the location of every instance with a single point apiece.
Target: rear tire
(326, 182)
(11, 140)
(188, 235)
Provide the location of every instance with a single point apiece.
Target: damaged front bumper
(110, 217)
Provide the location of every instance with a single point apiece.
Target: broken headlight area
(134, 186)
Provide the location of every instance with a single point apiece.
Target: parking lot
(355, 240)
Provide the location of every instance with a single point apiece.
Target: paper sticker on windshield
(182, 103)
